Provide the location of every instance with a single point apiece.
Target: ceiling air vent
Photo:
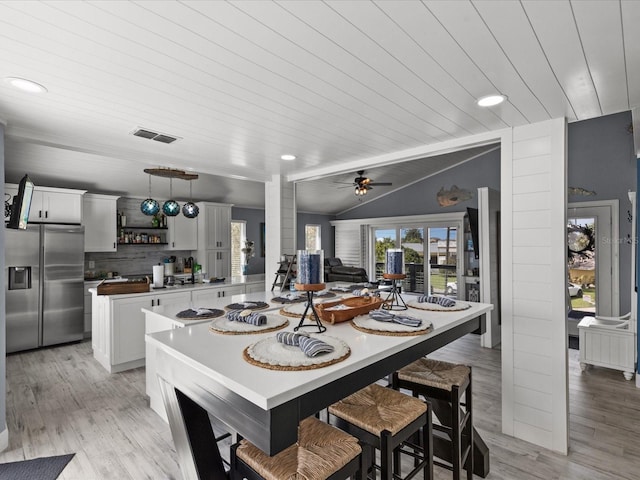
(151, 135)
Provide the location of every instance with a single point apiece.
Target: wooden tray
(357, 306)
(123, 287)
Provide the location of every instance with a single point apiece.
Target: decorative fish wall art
(580, 191)
(453, 196)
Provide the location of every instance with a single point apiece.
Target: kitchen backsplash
(131, 259)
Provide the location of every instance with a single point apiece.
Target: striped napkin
(383, 316)
(310, 346)
(253, 318)
(442, 301)
(365, 292)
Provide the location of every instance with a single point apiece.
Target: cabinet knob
(39, 213)
(46, 214)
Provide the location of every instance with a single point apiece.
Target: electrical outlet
(92, 264)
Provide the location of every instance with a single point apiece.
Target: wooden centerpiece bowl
(355, 306)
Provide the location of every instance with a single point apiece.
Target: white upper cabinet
(216, 220)
(100, 222)
(183, 233)
(52, 205)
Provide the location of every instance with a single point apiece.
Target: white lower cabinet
(255, 287)
(201, 297)
(118, 328)
(118, 324)
(218, 263)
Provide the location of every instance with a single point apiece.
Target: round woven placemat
(283, 368)
(412, 333)
(325, 295)
(282, 311)
(215, 313)
(434, 307)
(240, 306)
(213, 329)
(288, 301)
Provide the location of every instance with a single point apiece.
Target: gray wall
(326, 231)
(420, 198)
(602, 158)
(254, 217)
(3, 329)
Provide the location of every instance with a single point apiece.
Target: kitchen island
(117, 321)
(164, 317)
(202, 373)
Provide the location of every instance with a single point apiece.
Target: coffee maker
(169, 270)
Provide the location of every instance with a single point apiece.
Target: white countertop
(241, 280)
(170, 311)
(219, 357)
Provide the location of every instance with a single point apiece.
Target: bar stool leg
(469, 429)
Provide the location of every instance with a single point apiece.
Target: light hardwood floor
(59, 400)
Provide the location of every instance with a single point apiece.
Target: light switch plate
(92, 264)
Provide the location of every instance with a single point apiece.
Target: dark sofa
(335, 271)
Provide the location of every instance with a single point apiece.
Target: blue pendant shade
(190, 210)
(149, 206)
(171, 208)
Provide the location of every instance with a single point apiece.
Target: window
(238, 236)
(430, 251)
(312, 237)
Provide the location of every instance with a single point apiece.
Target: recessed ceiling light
(491, 100)
(25, 85)
(288, 157)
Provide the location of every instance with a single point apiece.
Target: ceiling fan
(363, 184)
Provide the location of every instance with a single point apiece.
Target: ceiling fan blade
(381, 184)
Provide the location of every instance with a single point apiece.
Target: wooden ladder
(286, 271)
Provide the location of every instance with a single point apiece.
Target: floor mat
(45, 468)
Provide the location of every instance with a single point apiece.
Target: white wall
(534, 337)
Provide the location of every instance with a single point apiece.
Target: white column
(280, 224)
(534, 331)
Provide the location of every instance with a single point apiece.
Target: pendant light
(190, 209)
(171, 208)
(149, 206)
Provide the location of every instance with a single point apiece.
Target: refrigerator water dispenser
(19, 278)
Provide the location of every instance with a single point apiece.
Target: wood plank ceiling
(332, 82)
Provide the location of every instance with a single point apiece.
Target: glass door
(412, 244)
(385, 238)
(443, 261)
(592, 283)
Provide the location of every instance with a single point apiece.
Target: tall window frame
(238, 237)
(313, 236)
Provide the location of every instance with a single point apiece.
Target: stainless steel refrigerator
(44, 281)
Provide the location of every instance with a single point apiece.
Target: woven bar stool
(322, 452)
(445, 383)
(384, 419)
